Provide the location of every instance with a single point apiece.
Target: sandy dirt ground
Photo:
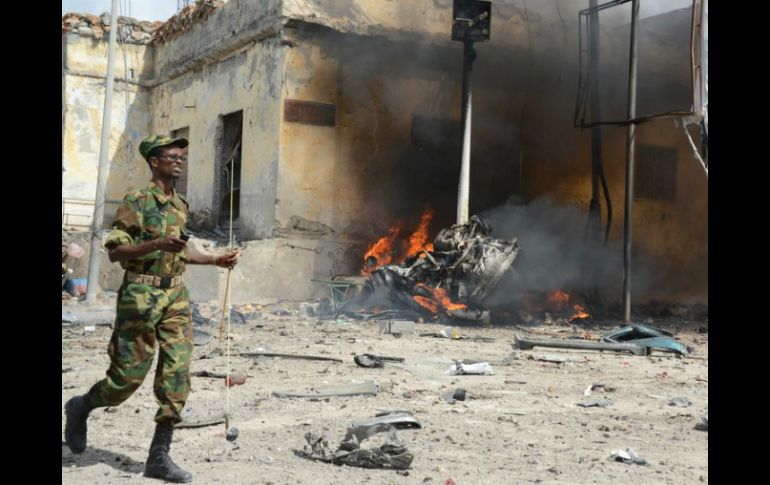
(520, 425)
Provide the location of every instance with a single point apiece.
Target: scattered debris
(587, 391)
(627, 456)
(525, 344)
(508, 360)
(130, 30)
(200, 337)
(205, 373)
(398, 419)
(369, 360)
(289, 356)
(237, 317)
(452, 279)
(454, 334)
(368, 388)
(400, 327)
(600, 403)
(184, 20)
(446, 332)
(89, 328)
(200, 421)
(704, 424)
(454, 395)
(391, 454)
(471, 369)
(554, 359)
(679, 401)
(232, 434)
(235, 379)
(649, 338)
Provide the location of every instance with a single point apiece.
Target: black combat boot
(75, 430)
(159, 464)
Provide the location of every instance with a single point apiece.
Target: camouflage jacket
(145, 215)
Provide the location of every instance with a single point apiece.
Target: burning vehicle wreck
(448, 279)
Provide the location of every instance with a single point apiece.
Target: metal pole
(630, 143)
(595, 207)
(94, 260)
(596, 131)
(463, 192)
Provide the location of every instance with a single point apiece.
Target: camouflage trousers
(145, 315)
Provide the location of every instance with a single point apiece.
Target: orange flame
(381, 251)
(580, 313)
(420, 235)
(427, 303)
(388, 250)
(438, 301)
(557, 300)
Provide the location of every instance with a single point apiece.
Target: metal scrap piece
(704, 424)
(200, 421)
(648, 337)
(554, 359)
(369, 360)
(391, 454)
(366, 429)
(200, 337)
(364, 388)
(527, 344)
(600, 403)
(679, 401)
(627, 456)
(454, 395)
(289, 356)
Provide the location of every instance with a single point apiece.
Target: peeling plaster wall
(235, 25)
(310, 180)
(423, 20)
(231, 61)
(84, 65)
(248, 80)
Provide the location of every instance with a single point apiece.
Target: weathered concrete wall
(248, 80)
(369, 170)
(84, 77)
(427, 20)
(309, 178)
(273, 269)
(236, 24)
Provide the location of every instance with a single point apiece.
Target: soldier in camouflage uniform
(153, 305)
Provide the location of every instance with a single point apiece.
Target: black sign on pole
(471, 20)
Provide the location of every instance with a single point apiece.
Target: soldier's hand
(171, 244)
(228, 260)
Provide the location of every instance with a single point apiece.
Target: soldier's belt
(156, 281)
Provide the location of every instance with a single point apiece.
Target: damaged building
(340, 120)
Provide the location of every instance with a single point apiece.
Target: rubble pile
(452, 279)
